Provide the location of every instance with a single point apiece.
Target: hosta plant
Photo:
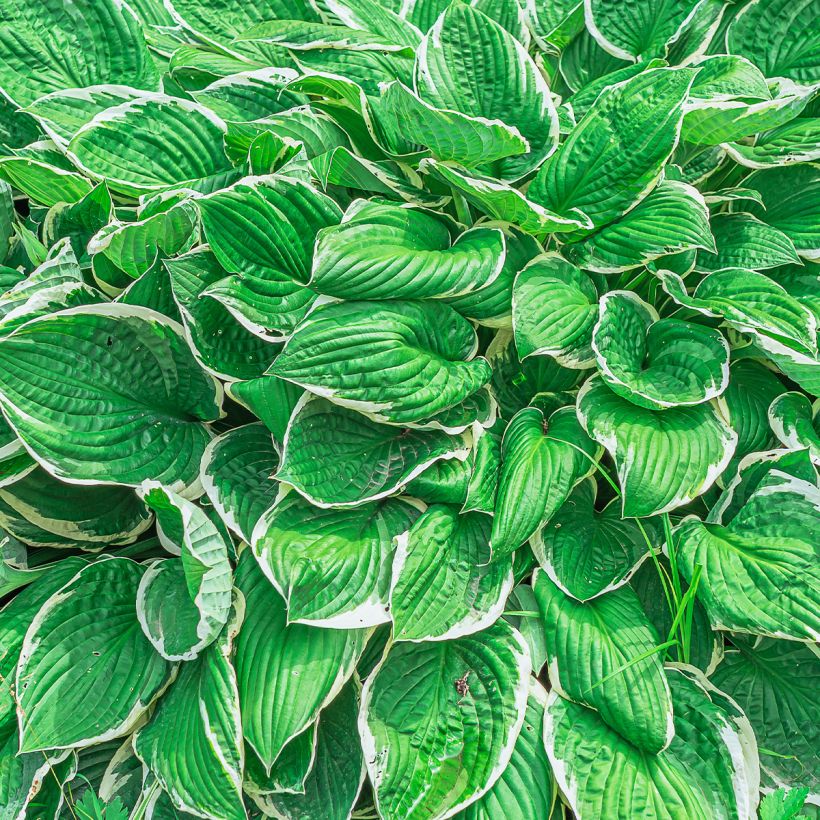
(409, 410)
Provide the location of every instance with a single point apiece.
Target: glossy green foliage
(409, 409)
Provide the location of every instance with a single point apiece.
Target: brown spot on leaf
(462, 687)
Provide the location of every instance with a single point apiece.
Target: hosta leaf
(334, 782)
(554, 310)
(359, 14)
(524, 790)
(748, 301)
(221, 344)
(482, 485)
(789, 197)
(752, 388)
(743, 241)
(518, 383)
(616, 154)
(17, 129)
(398, 362)
(755, 469)
(25, 779)
(733, 195)
(583, 61)
(263, 234)
(369, 461)
(673, 218)
(580, 102)
(799, 363)
(779, 37)
(636, 29)
(600, 654)
(7, 218)
(93, 353)
(774, 683)
(55, 284)
(664, 458)
(504, 202)
(543, 458)
(303, 35)
(288, 774)
(40, 510)
(63, 112)
(57, 277)
(443, 585)
(531, 627)
(439, 721)
(657, 363)
(705, 773)
(120, 146)
(471, 483)
(760, 571)
(193, 741)
(405, 121)
(191, 66)
(53, 46)
(15, 618)
(122, 776)
(587, 553)
(332, 566)
(237, 475)
(726, 121)
(86, 672)
(726, 77)
(479, 409)
(468, 63)
(443, 482)
(79, 221)
(382, 251)
(796, 141)
(270, 399)
(271, 153)
(251, 95)
(316, 131)
(794, 421)
(206, 573)
(367, 69)
(554, 23)
(152, 290)
(342, 167)
(166, 227)
(43, 182)
(15, 465)
(278, 701)
(224, 19)
(167, 614)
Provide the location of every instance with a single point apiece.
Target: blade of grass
(621, 669)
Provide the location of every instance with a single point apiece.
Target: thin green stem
(139, 812)
(673, 557)
(690, 615)
(682, 609)
(621, 669)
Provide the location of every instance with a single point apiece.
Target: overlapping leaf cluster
(408, 408)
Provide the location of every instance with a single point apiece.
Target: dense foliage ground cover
(409, 409)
